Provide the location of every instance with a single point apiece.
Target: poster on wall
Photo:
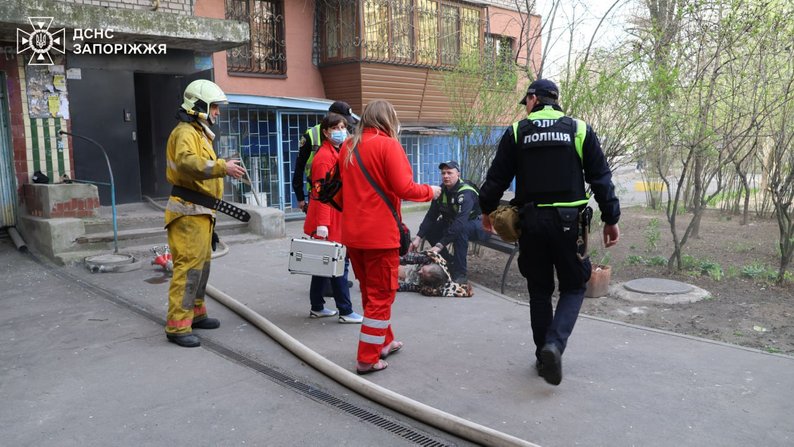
(47, 94)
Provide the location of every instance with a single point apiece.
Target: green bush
(652, 235)
(756, 270)
(712, 269)
(635, 260)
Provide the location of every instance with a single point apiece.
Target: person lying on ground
(426, 272)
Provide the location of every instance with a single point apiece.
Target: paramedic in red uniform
(368, 227)
(325, 222)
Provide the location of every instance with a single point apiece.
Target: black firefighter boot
(184, 340)
(206, 323)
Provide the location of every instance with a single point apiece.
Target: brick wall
(65, 200)
(174, 6)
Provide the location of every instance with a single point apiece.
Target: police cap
(451, 164)
(542, 87)
(343, 109)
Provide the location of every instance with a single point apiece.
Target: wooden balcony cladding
(415, 92)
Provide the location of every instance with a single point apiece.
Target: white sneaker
(322, 313)
(351, 318)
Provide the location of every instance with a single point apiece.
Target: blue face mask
(338, 136)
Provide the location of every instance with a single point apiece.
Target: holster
(585, 217)
(215, 239)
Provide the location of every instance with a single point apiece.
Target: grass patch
(758, 272)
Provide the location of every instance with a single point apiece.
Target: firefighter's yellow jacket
(192, 164)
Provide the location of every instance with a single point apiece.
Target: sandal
(373, 367)
(392, 349)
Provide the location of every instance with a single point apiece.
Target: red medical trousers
(376, 271)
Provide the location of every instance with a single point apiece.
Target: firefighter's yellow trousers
(189, 238)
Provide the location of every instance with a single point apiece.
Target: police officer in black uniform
(310, 141)
(454, 217)
(551, 157)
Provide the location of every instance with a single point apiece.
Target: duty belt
(210, 202)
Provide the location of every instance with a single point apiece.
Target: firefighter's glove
(506, 223)
(322, 232)
(215, 240)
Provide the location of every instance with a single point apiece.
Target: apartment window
(469, 31)
(498, 62)
(388, 29)
(447, 31)
(339, 24)
(266, 51)
(427, 42)
(423, 32)
(402, 25)
(449, 39)
(498, 49)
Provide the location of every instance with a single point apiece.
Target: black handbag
(405, 233)
(329, 189)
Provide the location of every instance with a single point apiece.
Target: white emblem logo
(41, 41)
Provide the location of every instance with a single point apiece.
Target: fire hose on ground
(417, 410)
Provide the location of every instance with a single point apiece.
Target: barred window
(423, 32)
(499, 65)
(388, 29)
(498, 49)
(266, 51)
(427, 45)
(339, 22)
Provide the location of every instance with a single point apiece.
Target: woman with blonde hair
(368, 227)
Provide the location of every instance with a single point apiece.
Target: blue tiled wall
(252, 132)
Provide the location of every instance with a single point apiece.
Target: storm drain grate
(396, 428)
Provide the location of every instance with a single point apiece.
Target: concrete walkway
(80, 369)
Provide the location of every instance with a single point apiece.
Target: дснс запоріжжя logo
(41, 41)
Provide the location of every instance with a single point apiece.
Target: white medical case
(317, 257)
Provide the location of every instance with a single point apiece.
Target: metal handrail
(112, 186)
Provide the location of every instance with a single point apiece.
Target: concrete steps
(140, 227)
(142, 236)
(143, 251)
(139, 224)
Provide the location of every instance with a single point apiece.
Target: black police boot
(551, 364)
(184, 340)
(206, 323)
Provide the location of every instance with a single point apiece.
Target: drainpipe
(17, 238)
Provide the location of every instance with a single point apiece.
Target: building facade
(111, 73)
(304, 55)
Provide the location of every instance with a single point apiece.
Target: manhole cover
(110, 259)
(116, 263)
(657, 286)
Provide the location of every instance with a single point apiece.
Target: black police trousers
(548, 243)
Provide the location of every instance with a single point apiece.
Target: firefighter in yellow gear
(192, 164)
